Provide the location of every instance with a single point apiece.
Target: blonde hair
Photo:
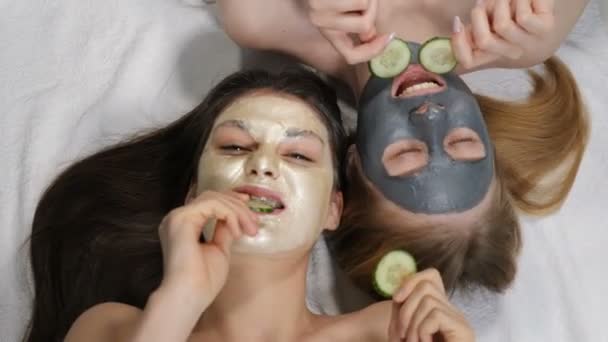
(539, 145)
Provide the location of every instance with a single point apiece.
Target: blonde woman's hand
(202, 267)
(504, 32)
(422, 312)
(350, 26)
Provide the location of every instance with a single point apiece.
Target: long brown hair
(539, 144)
(94, 235)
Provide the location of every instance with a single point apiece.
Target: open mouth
(416, 81)
(261, 200)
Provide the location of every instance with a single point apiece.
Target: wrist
(182, 293)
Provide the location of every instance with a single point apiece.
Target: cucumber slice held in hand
(394, 60)
(436, 55)
(391, 270)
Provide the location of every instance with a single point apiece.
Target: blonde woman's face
(277, 149)
(423, 141)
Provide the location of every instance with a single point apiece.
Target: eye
(464, 144)
(234, 149)
(298, 156)
(405, 157)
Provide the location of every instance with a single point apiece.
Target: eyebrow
(296, 132)
(235, 123)
(291, 132)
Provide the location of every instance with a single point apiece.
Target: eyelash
(461, 140)
(299, 156)
(241, 149)
(234, 148)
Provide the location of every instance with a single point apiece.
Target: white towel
(77, 74)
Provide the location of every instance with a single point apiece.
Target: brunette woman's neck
(262, 300)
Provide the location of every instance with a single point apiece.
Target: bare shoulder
(104, 322)
(369, 325)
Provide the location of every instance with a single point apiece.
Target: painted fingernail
(390, 38)
(457, 27)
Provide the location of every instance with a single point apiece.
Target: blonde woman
(438, 170)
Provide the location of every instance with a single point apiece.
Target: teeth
(420, 86)
(267, 201)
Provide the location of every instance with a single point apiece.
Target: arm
(169, 315)
(104, 322)
(282, 26)
(194, 274)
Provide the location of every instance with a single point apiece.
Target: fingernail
(480, 2)
(457, 27)
(390, 38)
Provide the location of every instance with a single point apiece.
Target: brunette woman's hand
(350, 26)
(422, 312)
(202, 267)
(504, 32)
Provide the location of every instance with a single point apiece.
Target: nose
(428, 110)
(263, 164)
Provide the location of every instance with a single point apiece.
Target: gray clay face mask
(388, 116)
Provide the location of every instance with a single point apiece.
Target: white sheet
(76, 74)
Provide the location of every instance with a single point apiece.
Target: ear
(191, 195)
(335, 211)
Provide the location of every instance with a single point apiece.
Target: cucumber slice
(394, 59)
(391, 270)
(436, 55)
(259, 206)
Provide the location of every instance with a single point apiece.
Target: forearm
(259, 24)
(170, 315)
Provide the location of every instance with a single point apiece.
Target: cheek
(218, 173)
(312, 189)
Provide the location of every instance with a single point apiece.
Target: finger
(240, 200)
(241, 196)
(212, 205)
(366, 37)
(413, 302)
(222, 237)
(360, 53)
(443, 322)
(246, 222)
(461, 45)
(345, 22)
(537, 24)
(183, 223)
(543, 6)
(369, 16)
(394, 325)
(486, 41)
(223, 214)
(338, 5)
(505, 27)
(430, 275)
(426, 305)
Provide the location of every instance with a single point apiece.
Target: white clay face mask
(275, 149)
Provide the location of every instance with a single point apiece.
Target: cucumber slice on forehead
(394, 59)
(391, 270)
(436, 55)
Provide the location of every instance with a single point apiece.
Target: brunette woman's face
(275, 148)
